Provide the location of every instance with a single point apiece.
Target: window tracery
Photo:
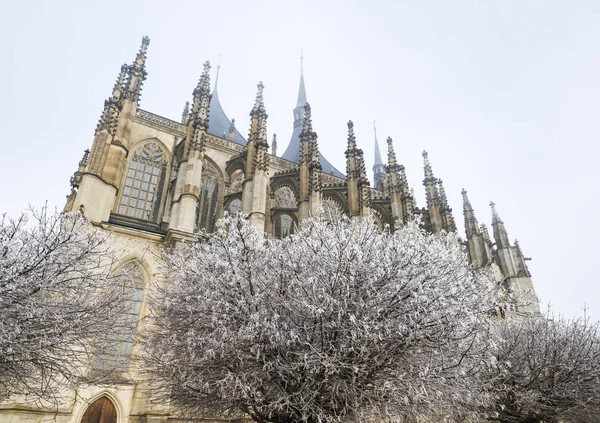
(208, 200)
(331, 209)
(285, 198)
(236, 183)
(144, 183)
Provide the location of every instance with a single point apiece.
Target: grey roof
(219, 123)
(292, 152)
(377, 153)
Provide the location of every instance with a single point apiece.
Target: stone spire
(136, 73)
(445, 210)
(113, 105)
(359, 194)
(258, 131)
(471, 224)
(309, 200)
(480, 252)
(201, 101)
(394, 182)
(378, 166)
(274, 145)
(432, 195)
(408, 202)
(185, 114)
(254, 196)
(500, 234)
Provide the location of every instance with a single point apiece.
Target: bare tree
(58, 297)
(340, 322)
(548, 371)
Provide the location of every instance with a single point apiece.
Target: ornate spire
(136, 73)
(392, 163)
(500, 234)
(274, 145)
(113, 105)
(445, 209)
(200, 109)
(185, 113)
(351, 137)
(430, 182)
(306, 136)
(471, 225)
(258, 130)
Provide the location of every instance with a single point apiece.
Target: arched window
(235, 206)
(208, 200)
(285, 198)
(100, 411)
(144, 183)
(331, 210)
(284, 225)
(115, 350)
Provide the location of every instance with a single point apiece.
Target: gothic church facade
(153, 181)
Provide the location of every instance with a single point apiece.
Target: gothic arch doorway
(100, 411)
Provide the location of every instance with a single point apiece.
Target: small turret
(254, 197)
(231, 134)
(310, 199)
(274, 145)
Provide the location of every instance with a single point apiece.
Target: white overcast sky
(505, 96)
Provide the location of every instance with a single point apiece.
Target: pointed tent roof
(218, 122)
(378, 161)
(292, 152)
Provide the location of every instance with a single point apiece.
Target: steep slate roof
(218, 122)
(292, 152)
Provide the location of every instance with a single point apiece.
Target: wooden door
(100, 411)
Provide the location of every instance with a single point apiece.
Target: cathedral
(153, 181)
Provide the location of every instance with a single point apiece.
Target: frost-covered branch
(548, 371)
(340, 322)
(57, 298)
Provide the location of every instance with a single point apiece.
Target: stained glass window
(284, 225)
(285, 198)
(144, 183)
(235, 206)
(208, 200)
(115, 350)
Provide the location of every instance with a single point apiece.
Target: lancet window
(235, 206)
(142, 191)
(284, 225)
(208, 200)
(115, 350)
